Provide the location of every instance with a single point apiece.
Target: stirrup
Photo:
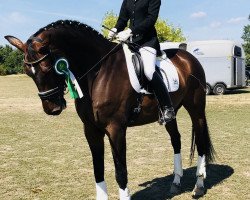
(167, 115)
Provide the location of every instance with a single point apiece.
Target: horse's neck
(87, 58)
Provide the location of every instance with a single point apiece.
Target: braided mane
(72, 23)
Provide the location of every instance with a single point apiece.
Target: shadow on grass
(158, 189)
(238, 91)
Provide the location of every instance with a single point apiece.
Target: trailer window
(237, 51)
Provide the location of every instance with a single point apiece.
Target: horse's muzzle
(55, 106)
(53, 101)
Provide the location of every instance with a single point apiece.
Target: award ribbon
(62, 68)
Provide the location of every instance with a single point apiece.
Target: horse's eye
(43, 50)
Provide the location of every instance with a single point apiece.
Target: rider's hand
(112, 33)
(124, 35)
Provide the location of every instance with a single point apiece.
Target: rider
(143, 15)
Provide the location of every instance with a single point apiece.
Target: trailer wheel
(219, 89)
(247, 79)
(208, 89)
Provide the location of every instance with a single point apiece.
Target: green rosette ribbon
(62, 68)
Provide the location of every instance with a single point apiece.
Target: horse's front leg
(95, 140)
(117, 138)
(176, 143)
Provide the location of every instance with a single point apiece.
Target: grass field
(44, 157)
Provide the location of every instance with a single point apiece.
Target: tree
(246, 45)
(10, 60)
(166, 32)
(109, 21)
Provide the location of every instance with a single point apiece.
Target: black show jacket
(142, 15)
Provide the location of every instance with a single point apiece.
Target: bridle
(36, 61)
(49, 94)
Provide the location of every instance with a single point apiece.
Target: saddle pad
(168, 71)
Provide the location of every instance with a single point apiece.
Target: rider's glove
(112, 33)
(124, 35)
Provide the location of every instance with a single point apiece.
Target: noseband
(36, 61)
(49, 94)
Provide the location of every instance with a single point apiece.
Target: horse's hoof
(198, 192)
(175, 188)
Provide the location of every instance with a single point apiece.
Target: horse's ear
(15, 42)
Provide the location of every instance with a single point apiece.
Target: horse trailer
(222, 60)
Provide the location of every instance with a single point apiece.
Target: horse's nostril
(56, 111)
(54, 107)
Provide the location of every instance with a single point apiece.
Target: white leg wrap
(200, 181)
(178, 171)
(177, 179)
(124, 194)
(178, 165)
(201, 166)
(101, 191)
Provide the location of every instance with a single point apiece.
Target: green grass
(44, 157)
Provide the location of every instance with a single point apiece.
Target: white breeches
(148, 55)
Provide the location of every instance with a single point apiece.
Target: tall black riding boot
(161, 93)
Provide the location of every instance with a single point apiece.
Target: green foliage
(109, 21)
(10, 61)
(166, 32)
(246, 45)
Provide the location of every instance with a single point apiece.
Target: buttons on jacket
(141, 13)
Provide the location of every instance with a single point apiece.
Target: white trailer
(222, 60)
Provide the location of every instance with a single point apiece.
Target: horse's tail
(192, 149)
(208, 146)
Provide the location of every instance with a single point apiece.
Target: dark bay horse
(109, 99)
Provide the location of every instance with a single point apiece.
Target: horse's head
(39, 63)
(80, 44)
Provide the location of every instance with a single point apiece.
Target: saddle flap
(136, 72)
(138, 65)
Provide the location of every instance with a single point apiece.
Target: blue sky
(199, 19)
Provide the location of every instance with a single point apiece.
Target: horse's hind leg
(205, 152)
(117, 138)
(95, 140)
(199, 126)
(195, 106)
(176, 143)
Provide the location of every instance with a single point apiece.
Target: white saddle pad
(168, 71)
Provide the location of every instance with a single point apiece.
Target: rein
(102, 59)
